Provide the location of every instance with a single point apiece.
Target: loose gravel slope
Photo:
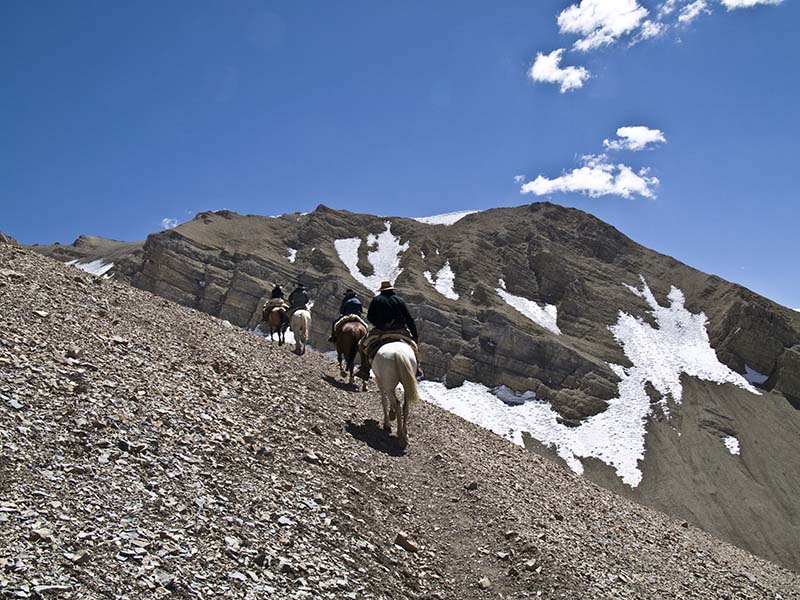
(148, 450)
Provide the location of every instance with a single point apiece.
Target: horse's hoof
(387, 428)
(402, 442)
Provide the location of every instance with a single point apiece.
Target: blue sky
(115, 116)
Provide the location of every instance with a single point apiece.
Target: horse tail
(408, 376)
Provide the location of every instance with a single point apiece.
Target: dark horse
(347, 340)
(276, 322)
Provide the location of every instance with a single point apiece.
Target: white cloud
(168, 223)
(596, 177)
(691, 11)
(601, 22)
(635, 138)
(668, 7)
(519, 178)
(650, 29)
(547, 68)
(733, 4)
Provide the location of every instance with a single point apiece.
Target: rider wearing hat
(387, 313)
(298, 299)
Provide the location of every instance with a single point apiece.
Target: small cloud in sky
(691, 11)
(601, 22)
(168, 223)
(547, 68)
(649, 30)
(596, 177)
(519, 178)
(733, 4)
(635, 138)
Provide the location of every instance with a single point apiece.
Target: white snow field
(679, 344)
(443, 281)
(732, 444)
(545, 316)
(385, 259)
(97, 267)
(292, 256)
(446, 218)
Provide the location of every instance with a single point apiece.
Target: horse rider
(298, 300)
(392, 322)
(351, 305)
(275, 301)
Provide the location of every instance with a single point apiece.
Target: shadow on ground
(342, 385)
(372, 434)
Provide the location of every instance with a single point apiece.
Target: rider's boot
(364, 367)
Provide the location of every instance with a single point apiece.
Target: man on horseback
(275, 301)
(392, 322)
(298, 300)
(351, 305)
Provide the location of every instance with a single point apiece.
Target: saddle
(349, 319)
(377, 338)
(272, 305)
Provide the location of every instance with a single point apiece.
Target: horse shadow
(373, 435)
(342, 385)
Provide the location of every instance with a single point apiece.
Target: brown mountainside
(148, 450)
(225, 264)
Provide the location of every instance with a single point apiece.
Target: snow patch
(732, 444)
(679, 344)
(443, 281)
(292, 255)
(753, 376)
(98, 267)
(385, 259)
(446, 218)
(545, 316)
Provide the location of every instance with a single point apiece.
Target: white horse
(395, 363)
(300, 325)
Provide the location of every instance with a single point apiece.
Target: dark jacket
(351, 305)
(277, 292)
(388, 311)
(298, 298)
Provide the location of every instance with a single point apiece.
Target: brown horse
(347, 340)
(277, 323)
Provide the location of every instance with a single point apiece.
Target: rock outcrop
(7, 239)
(554, 261)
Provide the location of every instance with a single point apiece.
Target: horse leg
(386, 399)
(351, 363)
(403, 418)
